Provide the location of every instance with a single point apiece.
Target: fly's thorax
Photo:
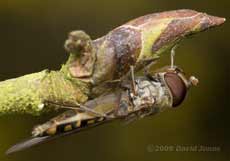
(152, 94)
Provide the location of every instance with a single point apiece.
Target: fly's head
(178, 84)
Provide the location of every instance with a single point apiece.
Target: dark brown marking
(175, 30)
(84, 123)
(156, 16)
(127, 46)
(185, 26)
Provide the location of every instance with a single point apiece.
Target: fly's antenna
(133, 80)
(193, 81)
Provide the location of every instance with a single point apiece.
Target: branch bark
(30, 93)
(108, 58)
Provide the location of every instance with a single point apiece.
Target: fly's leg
(130, 119)
(173, 53)
(124, 106)
(63, 106)
(85, 108)
(148, 112)
(133, 80)
(147, 72)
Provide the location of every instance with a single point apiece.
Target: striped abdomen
(66, 122)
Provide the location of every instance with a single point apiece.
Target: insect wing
(33, 141)
(104, 105)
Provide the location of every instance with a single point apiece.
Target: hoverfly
(135, 98)
(138, 44)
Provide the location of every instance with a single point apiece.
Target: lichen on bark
(30, 93)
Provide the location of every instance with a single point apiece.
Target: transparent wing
(33, 141)
(26, 144)
(65, 123)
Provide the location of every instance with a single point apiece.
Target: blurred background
(32, 36)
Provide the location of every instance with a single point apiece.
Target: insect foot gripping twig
(173, 53)
(133, 80)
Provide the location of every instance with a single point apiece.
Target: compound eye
(177, 88)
